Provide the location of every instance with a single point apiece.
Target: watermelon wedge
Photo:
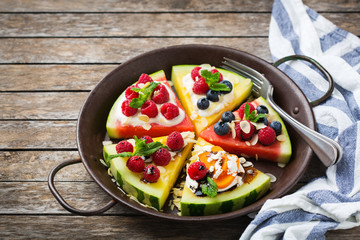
(280, 151)
(120, 126)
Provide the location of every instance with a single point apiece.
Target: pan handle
(63, 203)
(318, 66)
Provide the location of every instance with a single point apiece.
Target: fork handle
(328, 151)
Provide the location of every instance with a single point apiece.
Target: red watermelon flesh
(280, 151)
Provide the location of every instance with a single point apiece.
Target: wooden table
(53, 52)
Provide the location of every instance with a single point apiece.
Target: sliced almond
(259, 126)
(247, 164)
(254, 140)
(245, 126)
(236, 114)
(281, 138)
(272, 177)
(144, 118)
(161, 169)
(281, 165)
(232, 128)
(146, 126)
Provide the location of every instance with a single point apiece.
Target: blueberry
(203, 103)
(213, 95)
(276, 125)
(221, 128)
(227, 83)
(261, 109)
(228, 116)
(263, 120)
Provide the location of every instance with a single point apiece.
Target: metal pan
(91, 130)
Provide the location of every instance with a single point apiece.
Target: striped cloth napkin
(332, 201)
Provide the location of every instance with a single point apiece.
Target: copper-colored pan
(91, 130)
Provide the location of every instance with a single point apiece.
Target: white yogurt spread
(142, 120)
(224, 99)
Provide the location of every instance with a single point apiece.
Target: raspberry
(151, 173)
(195, 73)
(135, 164)
(247, 136)
(200, 87)
(160, 94)
(127, 110)
(161, 157)
(175, 141)
(147, 138)
(241, 110)
(130, 94)
(197, 170)
(144, 78)
(124, 146)
(267, 136)
(169, 111)
(149, 108)
(220, 75)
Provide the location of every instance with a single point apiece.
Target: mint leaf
(219, 87)
(210, 189)
(136, 89)
(144, 94)
(123, 154)
(212, 79)
(144, 149)
(252, 117)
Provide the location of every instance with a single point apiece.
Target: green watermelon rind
(246, 194)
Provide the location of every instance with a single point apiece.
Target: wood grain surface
(53, 53)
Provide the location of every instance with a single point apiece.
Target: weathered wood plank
(116, 227)
(36, 198)
(112, 50)
(36, 165)
(134, 25)
(49, 105)
(51, 77)
(164, 6)
(147, 24)
(129, 227)
(37, 134)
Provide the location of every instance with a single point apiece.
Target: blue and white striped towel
(333, 201)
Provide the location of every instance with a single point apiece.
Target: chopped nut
(254, 139)
(245, 126)
(144, 118)
(281, 138)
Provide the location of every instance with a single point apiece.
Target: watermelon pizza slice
(254, 130)
(206, 92)
(148, 107)
(219, 182)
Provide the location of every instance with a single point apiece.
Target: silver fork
(328, 151)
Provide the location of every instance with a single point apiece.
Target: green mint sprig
(144, 94)
(212, 79)
(252, 117)
(210, 189)
(141, 149)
